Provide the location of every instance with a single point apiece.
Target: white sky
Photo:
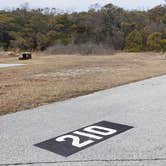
(80, 5)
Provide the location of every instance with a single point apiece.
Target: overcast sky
(81, 5)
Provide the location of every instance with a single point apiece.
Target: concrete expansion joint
(86, 161)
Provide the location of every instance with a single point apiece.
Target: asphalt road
(141, 105)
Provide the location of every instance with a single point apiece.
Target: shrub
(154, 41)
(1, 49)
(83, 49)
(134, 41)
(163, 44)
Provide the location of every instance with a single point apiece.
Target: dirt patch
(73, 72)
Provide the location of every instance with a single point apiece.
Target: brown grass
(48, 79)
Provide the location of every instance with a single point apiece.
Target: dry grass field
(50, 78)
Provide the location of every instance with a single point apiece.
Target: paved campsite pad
(141, 105)
(9, 65)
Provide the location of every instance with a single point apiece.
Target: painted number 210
(91, 132)
(75, 141)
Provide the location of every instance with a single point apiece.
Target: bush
(134, 41)
(1, 49)
(154, 41)
(83, 49)
(163, 44)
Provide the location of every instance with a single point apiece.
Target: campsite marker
(83, 138)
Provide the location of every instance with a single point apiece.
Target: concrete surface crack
(84, 161)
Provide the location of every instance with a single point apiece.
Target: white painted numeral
(87, 135)
(90, 131)
(105, 131)
(75, 142)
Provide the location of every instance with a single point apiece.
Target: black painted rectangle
(66, 148)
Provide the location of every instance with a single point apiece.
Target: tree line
(110, 26)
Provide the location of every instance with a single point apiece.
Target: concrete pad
(141, 105)
(10, 65)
